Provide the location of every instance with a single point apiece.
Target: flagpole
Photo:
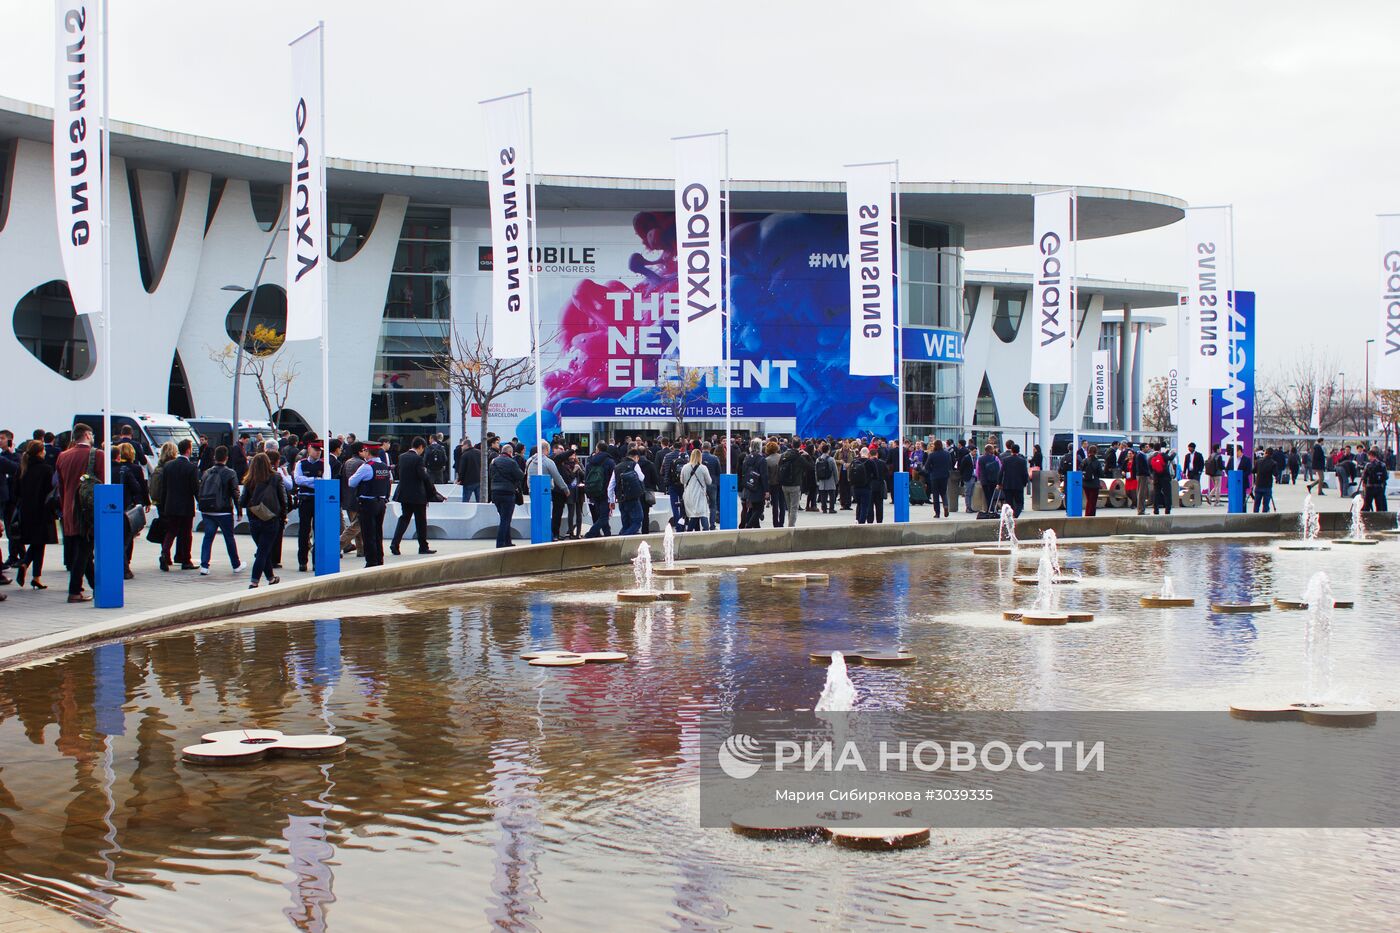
(105, 180)
(728, 307)
(325, 266)
(898, 317)
(532, 247)
(1076, 412)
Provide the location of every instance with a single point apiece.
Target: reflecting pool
(479, 791)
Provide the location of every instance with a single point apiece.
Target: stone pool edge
(525, 560)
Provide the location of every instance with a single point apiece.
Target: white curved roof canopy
(990, 215)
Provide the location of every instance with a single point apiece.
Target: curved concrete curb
(576, 555)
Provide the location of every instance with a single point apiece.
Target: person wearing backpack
(672, 462)
(597, 474)
(1158, 464)
(436, 460)
(826, 470)
(792, 466)
(218, 502)
(627, 490)
(989, 476)
(266, 501)
(753, 485)
(77, 466)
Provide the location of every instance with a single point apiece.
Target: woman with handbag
(264, 501)
(136, 500)
(695, 484)
(38, 508)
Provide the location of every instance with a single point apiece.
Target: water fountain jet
(1311, 539)
(1356, 534)
(1166, 597)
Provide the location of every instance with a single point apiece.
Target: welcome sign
(933, 345)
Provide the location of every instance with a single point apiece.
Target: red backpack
(1158, 463)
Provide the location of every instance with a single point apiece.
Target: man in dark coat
(1319, 467)
(1015, 477)
(414, 492)
(178, 489)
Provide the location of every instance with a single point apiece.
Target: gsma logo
(483, 259)
(740, 756)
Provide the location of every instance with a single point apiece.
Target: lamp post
(252, 294)
(1366, 404)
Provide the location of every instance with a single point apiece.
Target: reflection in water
(478, 790)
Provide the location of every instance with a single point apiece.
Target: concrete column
(1124, 416)
(1139, 333)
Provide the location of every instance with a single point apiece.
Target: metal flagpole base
(109, 545)
(541, 503)
(728, 501)
(1074, 494)
(901, 497)
(326, 539)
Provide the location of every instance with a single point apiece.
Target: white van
(152, 429)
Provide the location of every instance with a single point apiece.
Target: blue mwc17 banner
(1232, 408)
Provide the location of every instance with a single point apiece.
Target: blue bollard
(540, 507)
(1235, 493)
(1074, 494)
(901, 497)
(109, 546)
(326, 537)
(728, 501)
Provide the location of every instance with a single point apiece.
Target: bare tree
(262, 360)
(1156, 407)
(678, 388)
(1284, 398)
(1387, 408)
(469, 369)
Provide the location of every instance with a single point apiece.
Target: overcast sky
(1281, 108)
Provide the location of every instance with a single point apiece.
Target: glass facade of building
(408, 396)
(931, 296)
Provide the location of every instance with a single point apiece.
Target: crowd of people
(47, 485)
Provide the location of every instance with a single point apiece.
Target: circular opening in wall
(291, 420)
(46, 325)
(266, 325)
(1031, 396)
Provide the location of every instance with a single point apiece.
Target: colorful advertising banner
(869, 219)
(610, 310)
(1388, 364)
(1208, 277)
(1099, 387)
(507, 173)
(1051, 303)
(700, 233)
(77, 152)
(306, 237)
(1232, 408)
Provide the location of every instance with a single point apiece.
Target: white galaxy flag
(1316, 421)
(1174, 388)
(1100, 387)
(699, 238)
(306, 231)
(507, 172)
(1051, 301)
(1388, 364)
(77, 151)
(868, 226)
(1208, 276)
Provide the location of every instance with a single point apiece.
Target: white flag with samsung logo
(77, 151)
(306, 228)
(1388, 365)
(507, 174)
(699, 234)
(1100, 386)
(868, 230)
(1316, 421)
(1208, 279)
(1051, 299)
